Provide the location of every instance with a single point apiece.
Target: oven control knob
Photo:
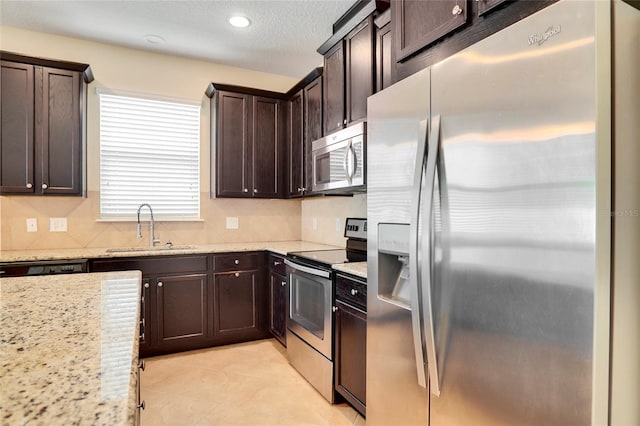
(354, 291)
(334, 309)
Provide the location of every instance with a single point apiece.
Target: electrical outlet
(314, 223)
(32, 224)
(337, 224)
(57, 224)
(232, 223)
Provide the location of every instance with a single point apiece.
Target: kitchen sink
(159, 248)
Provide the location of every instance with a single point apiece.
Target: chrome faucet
(152, 238)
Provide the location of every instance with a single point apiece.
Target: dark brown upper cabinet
(43, 104)
(419, 23)
(360, 77)
(247, 142)
(334, 84)
(304, 125)
(383, 50)
(295, 146)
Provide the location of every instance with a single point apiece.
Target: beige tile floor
(249, 384)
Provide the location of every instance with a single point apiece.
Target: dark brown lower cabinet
(236, 310)
(182, 304)
(278, 295)
(350, 340)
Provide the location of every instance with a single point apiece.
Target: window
(149, 153)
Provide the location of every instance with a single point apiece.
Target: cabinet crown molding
(85, 69)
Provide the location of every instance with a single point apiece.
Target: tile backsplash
(323, 217)
(258, 220)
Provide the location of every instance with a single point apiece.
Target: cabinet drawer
(351, 291)
(276, 264)
(236, 262)
(153, 265)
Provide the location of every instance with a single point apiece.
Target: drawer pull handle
(236, 261)
(276, 263)
(283, 283)
(142, 405)
(334, 309)
(354, 291)
(237, 274)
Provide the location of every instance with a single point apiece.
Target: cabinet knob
(237, 274)
(334, 309)
(142, 405)
(354, 291)
(29, 185)
(236, 261)
(276, 263)
(45, 186)
(457, 10)
(283, 283)
(304, 189)
(142, 337)
(299, 189)
(142, 365)
(146, 285)
(255, 190)
(245, 190)
(160, 284)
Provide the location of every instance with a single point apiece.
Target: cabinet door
(383, 57)
(485, 6)
(334, 117)
(359, 70)
(148, 322)
(295, 142)
(312, 127)
(419, 23)
(237, 311)
(16, 134)
(181, 303)
(350, 360)
(278, 307)
(267, 175)
(232, 147)
(59, 131)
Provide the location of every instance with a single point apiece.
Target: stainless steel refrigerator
(489, 211)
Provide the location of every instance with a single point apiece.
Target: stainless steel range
(311, 294)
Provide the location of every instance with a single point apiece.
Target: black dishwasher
(49, 267)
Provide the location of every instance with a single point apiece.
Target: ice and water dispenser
(393, 264)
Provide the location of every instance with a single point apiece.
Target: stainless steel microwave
(339, 160)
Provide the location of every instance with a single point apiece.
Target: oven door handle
(306, 269)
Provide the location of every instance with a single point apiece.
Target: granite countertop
(359, 269)
(69, 349)
(280, 247)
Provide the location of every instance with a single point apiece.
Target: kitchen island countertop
(279, 247)
(69, 349)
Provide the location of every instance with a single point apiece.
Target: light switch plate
(32, 224)
(232, 223)
(57, 224)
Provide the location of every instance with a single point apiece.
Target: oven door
(310, 306)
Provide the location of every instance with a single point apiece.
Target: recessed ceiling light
(239, 21)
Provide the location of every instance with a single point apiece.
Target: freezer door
(394, 117)
(513, 249)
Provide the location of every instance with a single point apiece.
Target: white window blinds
(149, 153)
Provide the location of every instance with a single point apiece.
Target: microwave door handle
(345, 162)
(307, 270)
(354, 166)
(413, 255)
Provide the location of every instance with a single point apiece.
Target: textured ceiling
(282, 38)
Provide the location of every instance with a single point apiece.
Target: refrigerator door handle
(426, 273)
(416, 313)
